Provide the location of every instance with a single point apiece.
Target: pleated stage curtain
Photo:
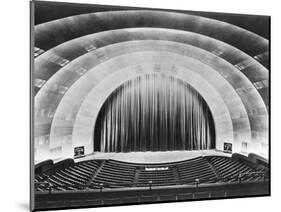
(154, 112)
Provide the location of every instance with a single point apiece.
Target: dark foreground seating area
(109, 182)
(197, 169)
(114, 174)
(230, 170)
(70, 178)
(111, 174)
(157, 194)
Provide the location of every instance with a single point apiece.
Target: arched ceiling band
(77, 93)
(45, 68)
(236, 79)
(255, 72)
(150, 45)
(50, 34)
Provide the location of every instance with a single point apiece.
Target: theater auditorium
(136, 106)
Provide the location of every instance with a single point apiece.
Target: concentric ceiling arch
(87, 56)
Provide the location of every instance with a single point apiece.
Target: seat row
(96, 174)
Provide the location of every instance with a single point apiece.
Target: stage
(153, 157)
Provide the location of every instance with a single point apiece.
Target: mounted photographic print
(138, 105)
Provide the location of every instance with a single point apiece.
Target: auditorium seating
(70, 178)
(231, 170)
(114, 174)
(111, 174)
(197, 168)
(157, 177)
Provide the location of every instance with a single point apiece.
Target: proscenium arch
(86, 119)
(233, 104)
(179, 118)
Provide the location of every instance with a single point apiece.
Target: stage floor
(153, 157)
